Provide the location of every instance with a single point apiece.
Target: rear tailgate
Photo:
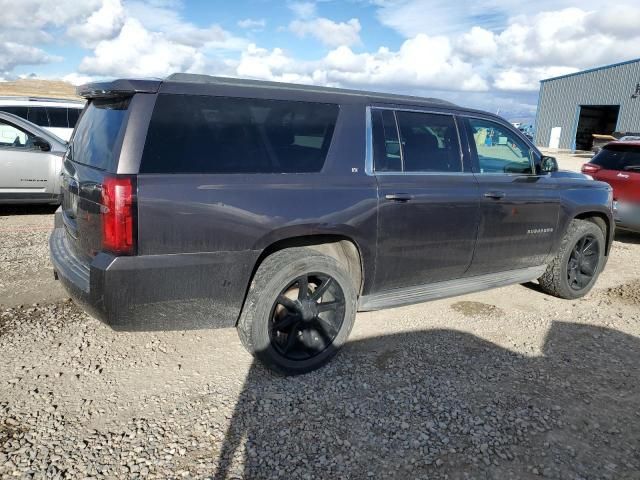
(625, 184)
(91, 158)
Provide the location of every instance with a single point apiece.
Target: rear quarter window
(204, 134)
(98, 133)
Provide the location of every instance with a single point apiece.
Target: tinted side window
(73, 114)
(387, 155)
(57, 117)
(19, 111)
(38, 115)
(429, 142)
(202, 134)
(499, 149)
(618, 157)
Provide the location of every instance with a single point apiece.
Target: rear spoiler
(118, 88)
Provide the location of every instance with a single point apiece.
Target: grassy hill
(39, 88)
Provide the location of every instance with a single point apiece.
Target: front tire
(299, 311)
(575, 268)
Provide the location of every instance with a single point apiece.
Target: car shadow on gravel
(624, 236)
(434, 403)
(9, 210)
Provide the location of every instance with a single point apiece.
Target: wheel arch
(602, 221)
(343, 249)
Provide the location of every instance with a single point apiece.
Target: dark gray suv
(283, 209)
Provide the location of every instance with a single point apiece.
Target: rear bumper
(155, 292)
(627, 218)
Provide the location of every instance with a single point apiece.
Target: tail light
(118, 215)
(590, 168)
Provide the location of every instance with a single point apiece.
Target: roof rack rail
(214, 80)
(39, 99)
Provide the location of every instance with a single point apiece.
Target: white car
(30, 162)
(55, 115)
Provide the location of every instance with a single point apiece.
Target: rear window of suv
(618, 157)
(204, 134)
(98, 133)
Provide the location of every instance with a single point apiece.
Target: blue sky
(488, 54)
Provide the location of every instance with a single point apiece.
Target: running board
(450, 288)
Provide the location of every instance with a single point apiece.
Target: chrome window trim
(368, 164)
(531, 151)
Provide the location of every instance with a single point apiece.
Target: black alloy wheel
(307, 316)
(583, 262)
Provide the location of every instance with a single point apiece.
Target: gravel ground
(504, 384)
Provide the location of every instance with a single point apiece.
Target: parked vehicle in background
(283, 209)
(618, 164)
(30, 162)
(53, 114)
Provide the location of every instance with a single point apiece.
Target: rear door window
(407, 141)
(38, 115)
(99, 133)
(57, 117)
(429, 142)
(202, 134)
(618, 157)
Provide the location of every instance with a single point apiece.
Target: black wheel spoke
(303, 288)
(326, 326)
(583, 262)
(303, 327)
(287, 303)
(322, 289)
(292, 338)
(286, 322)
(329, 306)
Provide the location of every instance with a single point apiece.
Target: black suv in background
(283, 209)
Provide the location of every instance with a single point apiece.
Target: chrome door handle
(398, 197)
(495, 195)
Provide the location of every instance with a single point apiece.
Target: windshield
(618, 157)
(96, 138)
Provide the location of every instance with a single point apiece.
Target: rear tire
(299, 311)
(575, 269)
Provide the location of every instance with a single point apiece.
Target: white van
(53, 114)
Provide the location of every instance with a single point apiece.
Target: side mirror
(548, 164)
(41, 143)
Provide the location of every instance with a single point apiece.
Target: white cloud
(152, 55)
(478, 43)
(14, 54)
(78, 79)
(420, 63)
(328, 32)
(36, 14)
(303, 9)
(252, 24)
(102, 24)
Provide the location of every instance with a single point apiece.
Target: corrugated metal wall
(560, 98)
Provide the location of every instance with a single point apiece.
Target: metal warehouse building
(601, 100)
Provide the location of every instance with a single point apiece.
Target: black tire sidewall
(297, 266)
(587, 228)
